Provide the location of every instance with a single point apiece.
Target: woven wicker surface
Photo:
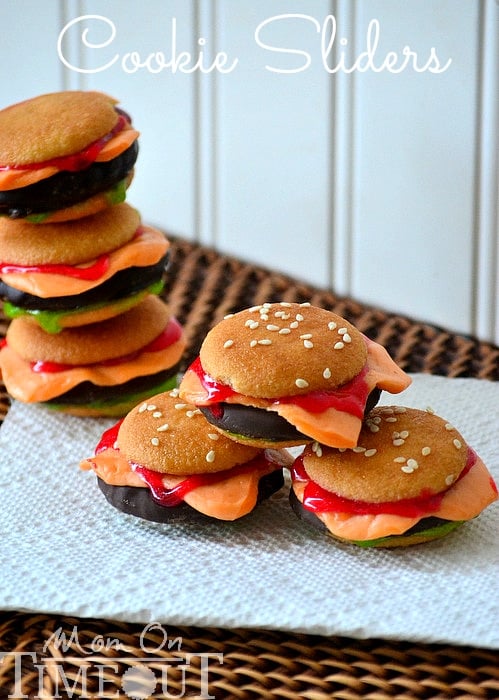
(202, 287)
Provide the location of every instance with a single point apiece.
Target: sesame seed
(286, 304)
(398, 442)
(308, 344)
(155, 441)
(253, 343)
(267, 305)
(373, 427)
(174, 393)
(404, 434)
(457, 443)
(449, 479)
(391, 419)
(400, 409)
(332, 325)
(264, 341)
(339, 345)
(305, 303)
(359, 448)
(180, 406)
(327, 373)
(264, 317)
(412, 463)
(347, 338)
(284, 331)
(342, 331)
(142, 407)
(426, 451)
(305, 336)
(163, 428)
(400, 460)
(228, 343)
(151, 407)
(407, 469)
(301, 383)
(299, 317)
(191, 413)
(228, 316)
(255, 308)
(294, 324)
(376, 419)
(272, 327)
(252, 325)
(316, 447)
(210, 456)
(157, 414)
(370, 453)
(213, 436)
(448, 426)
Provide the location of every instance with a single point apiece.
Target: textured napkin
(66, 551)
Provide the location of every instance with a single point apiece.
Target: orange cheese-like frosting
(29, 386)
(331, 426)
(464, 500)
(228, 498)
(11, 179)
(146, 248)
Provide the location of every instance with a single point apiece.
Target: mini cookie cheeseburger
(411, 479)
(164, 462)
(64, 155)
(283, 374)
(79, 272)
(100, 369)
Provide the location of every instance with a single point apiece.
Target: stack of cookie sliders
(284, 374)
(80, 273)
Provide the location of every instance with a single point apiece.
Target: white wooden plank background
(382, 186)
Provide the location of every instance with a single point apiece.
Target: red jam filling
(77, 161)
(154, 480)
(91, 272)
(319, 500)
(350, 398)
(170, 335)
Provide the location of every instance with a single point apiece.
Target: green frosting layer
(431, 533)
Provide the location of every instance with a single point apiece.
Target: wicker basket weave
(202, 287)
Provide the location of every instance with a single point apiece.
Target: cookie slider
(283, 374)
(164, 462)
(412, 478)
(79, 272)
(64, 155)
(100, 369)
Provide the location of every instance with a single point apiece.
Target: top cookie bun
(70, 242)
(283, 349)
(401, 453)
(169, 436)
(54, 125)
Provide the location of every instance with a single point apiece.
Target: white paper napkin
(66, 551)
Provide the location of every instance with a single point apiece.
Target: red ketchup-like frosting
(350, 398)
(91, 272)
(77, 161)
(319, 500)
(154, 480)
(170, 335)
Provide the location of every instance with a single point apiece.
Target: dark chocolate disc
(252, 422)
(66, 188)
(139, 501)
(122, 284)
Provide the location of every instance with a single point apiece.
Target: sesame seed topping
(157, 414)
(412, 463)
(228, 316)
(391, 419)
(305, 336)
(264, 341)
(228, 343)
(192, 413)
(151, 407)
(272, 327)
(400, 409)
(426, 451)
(142, 407)
(301, 383)
(305, 303)
(449, 479)
(398, 442)
(370, 453)
(267, 305)
(359, 448)
(174, 393)
(213, 436)
(342, 331)
(407, 469)
(332, 325)
(339, 345)
(163, 428)
(210, 456)
(284, 331)
(327, 373)
(286, 304)
(308, 344)
(264, 317)
(404, 434)
(299, 317)
(180, 406)
(253, 343)
(250, 323)
(400, 460)
(317, 448)
(347, 338)
(448, 426)
(457, 443)
(155, 441)
(373, 427)
(294, 324)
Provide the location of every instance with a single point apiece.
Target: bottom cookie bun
(139, 501)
